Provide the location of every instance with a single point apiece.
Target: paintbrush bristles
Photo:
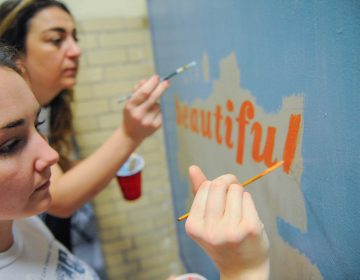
(180, 70)
(251, 180)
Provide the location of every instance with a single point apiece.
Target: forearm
(70, 190)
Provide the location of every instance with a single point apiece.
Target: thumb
(197, 177)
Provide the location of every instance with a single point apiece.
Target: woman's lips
(70, 72)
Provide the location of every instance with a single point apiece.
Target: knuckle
(253, 228)
(136, 115)
(233, 236)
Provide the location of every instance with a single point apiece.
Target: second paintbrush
(168, 77)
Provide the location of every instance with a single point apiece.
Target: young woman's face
(25, 156)
(52, 53)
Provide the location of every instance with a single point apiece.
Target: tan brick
(111, 235)
(91, 108)
(117, 246)
(112, 24)
(163, 194)
(115, 220)
(90, 75)
(137, 228)
(108, 196)
(157, 184)
(113, 88)
(115, 260)
(83, 92)
(128, 38)
(93, 139)
(122, 271)
(164, 221)
(106, 209)
(159, 272)
(110, 120)
(152, 249)
(88, 41)
(106, 57)
(158, 260)
(138, 71)
(152, 212)
(153, 172)
(149, 53)
(85, 124)
(152, 237)
(136, 23)
(136, 54)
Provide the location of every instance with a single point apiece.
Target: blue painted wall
(309, 47)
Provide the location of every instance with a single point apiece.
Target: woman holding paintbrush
(223, 218)
(44, 33)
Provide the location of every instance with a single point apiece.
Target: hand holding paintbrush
(247, 182)
(223, 220)
(168, 77)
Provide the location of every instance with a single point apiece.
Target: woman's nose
(47, 156)
(74, 49)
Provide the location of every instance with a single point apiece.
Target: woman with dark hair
(223, 219)
(44, 33)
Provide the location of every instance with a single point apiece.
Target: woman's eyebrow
(56, 29)
(14, 124)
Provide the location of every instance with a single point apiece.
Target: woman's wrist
(259, 272)
(127, 139)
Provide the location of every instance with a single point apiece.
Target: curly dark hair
(14, 23)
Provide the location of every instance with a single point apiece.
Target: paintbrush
(253, 179)
(168, 77)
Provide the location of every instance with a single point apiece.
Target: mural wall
(275, 80)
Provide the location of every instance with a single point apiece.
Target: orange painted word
(216, 126)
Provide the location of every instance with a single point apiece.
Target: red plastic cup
(129, 177)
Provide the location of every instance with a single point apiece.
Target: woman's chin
(68, 83)
(43, 205)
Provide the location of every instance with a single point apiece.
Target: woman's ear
(21, 66)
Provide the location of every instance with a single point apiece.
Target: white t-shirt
(37, 255)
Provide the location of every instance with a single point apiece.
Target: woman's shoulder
(40, 246)
(34, 226)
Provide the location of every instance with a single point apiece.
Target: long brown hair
(14, 22)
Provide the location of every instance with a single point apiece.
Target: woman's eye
(56, 42)
(10, 147)
(38, 124)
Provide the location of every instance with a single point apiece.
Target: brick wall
(138, 238)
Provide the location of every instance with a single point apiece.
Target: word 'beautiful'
(213, 125)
